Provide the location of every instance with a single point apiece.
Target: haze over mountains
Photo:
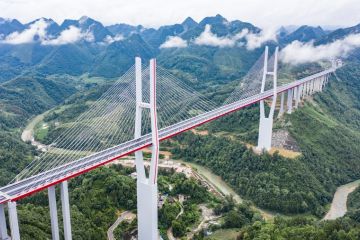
(87, 46)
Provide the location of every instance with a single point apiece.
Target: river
(222, 186)
(338, 206)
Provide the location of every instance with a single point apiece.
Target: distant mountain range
(87, 46)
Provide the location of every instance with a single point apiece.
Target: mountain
(124, 29)
(88, 25)
(52, 29)
(119, 56)
(339, 34)
(101, 57)
(189, 23)
(304, 34)
(159, 36)
(8, 26)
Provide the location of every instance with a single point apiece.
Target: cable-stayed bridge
(144, 107)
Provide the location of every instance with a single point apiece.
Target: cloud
(37, 29)
(255, 40)
(297, 52)
(70, 35)
(174, 42)
(109, 39)
(36, 32)
(208, 38)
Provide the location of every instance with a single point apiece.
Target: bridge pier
(3, 229)
(266, 123)
(289, 101)
(13, 219)
(53, 213)
(64, 192)
(281, 110)
(297, 96)
(147, 191)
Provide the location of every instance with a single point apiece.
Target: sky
(154, 13)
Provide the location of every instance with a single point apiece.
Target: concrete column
(281, 111)
(53, 213)
(297, 97)
(147, 211)
(14, 222)
(3, 229)
(64, 192)
(289, 101)
(294, 93)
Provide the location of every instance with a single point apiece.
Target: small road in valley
(128, 216)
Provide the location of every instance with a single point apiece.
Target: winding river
(338, 206)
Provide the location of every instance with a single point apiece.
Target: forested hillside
(326, 129)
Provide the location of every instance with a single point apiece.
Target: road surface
(124, 216)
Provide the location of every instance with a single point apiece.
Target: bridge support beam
(64, 192)
(266, 123)
(147, 191)
(53, 213)
(3, 229)
(281, 110)
(289, 101)
(14, 222)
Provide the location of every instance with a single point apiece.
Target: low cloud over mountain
(37, 32)
(298, 52)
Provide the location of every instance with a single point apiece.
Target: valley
(305, 187)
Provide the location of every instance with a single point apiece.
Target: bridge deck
(54, 176)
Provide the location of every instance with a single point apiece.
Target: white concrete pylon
(64, 192)
(14, 222)
(3, 229)
(53, 213)
(266, 123)
(147, 192)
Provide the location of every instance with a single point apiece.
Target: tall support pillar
(3, 229)
(147, 191)
(301, 90)
(281, 111)
(266, 123)
(306, 89)
(289, 101)
(297, 96)
(53, 213)
(14, 222)
(64, 192)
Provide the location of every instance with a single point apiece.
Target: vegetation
(302, 228)
(353, 201)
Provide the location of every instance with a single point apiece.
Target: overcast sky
(263, 13)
